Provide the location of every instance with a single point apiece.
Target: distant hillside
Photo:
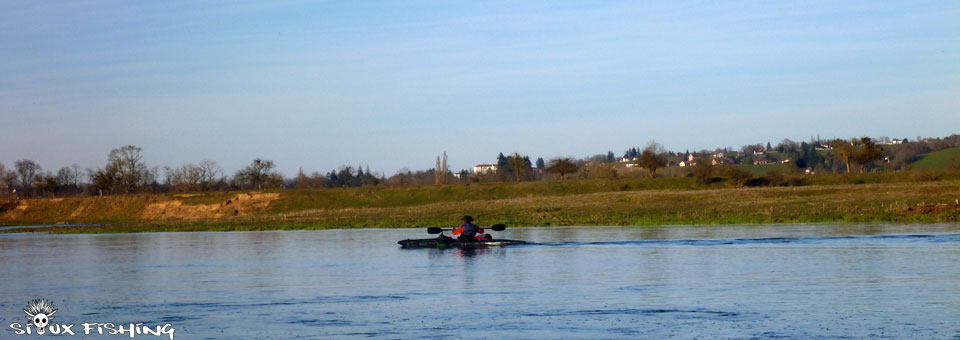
(937, 160)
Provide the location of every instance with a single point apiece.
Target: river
(683, 282)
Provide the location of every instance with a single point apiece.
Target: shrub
(737, 175)
(757, 182)
(703, 172)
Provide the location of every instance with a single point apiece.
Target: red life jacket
(459, 230)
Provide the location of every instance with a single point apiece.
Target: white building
(484, 168)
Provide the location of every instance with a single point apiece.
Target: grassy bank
(893, 197)
(938, 160)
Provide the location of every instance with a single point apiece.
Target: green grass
(926, 202)
(764, 169)
(384, 197)
(871, 197)
(939, 160)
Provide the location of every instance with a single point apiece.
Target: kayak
(445, 243)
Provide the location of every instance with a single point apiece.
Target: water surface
(726, 282)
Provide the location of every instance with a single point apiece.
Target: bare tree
(208, 172)
(28, 174)
(257, 173)
(127, 163)
(103, 179)
(440, 174)
(4, 184)
(653, 158)
(8, 180)
(76, 175)
(193, 177)
(49, 184)
(65, 179)
(302, 180)
(184, 178)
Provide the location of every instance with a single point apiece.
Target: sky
(390, 85)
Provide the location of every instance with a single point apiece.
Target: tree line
(126, 172)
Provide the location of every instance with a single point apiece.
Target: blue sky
(393, 84)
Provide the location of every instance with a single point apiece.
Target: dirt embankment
(239, 205)
(133, 208)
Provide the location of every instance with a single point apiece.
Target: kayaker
(467, 231)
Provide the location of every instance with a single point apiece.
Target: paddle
(436, 230)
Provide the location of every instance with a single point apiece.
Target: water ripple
(937, 238)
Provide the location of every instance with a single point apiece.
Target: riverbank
(611, 202)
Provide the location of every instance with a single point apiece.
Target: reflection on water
(780, 281)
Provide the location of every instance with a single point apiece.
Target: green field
(872, 197)
(764, 169)
(938, 160)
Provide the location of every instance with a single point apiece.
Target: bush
(597, 171)
(703, 172)
(776, 179)
(757, 182)
(737, 175)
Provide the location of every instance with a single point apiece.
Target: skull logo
(40, 313)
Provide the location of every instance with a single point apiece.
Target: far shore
(626, 202)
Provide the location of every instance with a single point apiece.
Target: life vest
(460, 229)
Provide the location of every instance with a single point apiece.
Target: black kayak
(446, 243)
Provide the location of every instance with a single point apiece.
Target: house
(758, 153)
(809, 172)
(687, 163)
(823, 147)
(721, 161)
(625, 159)
(760, 161)
(784, 161)
(484, 168)
(895, 141)
(631, 165)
